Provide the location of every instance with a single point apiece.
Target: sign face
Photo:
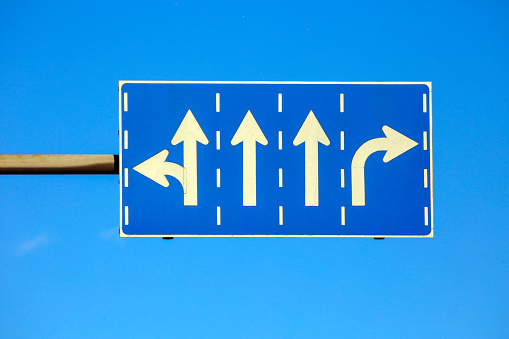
(330, 159)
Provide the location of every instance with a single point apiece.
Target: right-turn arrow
(394, 143)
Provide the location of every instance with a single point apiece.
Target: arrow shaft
(191, 167)
(358, 188)
(358, 162)
(311, 173)
(249, 173)
(368, 148)
(176, 171)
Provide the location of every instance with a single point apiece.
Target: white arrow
(156, 168)
(394, 143)
(249, 133)
(311, 133)
(190, 133)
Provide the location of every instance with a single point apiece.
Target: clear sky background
(65, 273)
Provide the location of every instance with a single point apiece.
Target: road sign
(332, 159)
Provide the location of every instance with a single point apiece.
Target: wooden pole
(59, 164)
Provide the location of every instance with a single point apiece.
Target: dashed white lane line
(218, 215)
(424, 103)
(342, 140)
(280, 147)
(218, 102)
(342, 178)
(126, 177)
(343, 216)
(425, 140)
(425, 216)
(126, 215)
(125, 102)
(126, 145)
(218, 140)
(341, 103)
(218, 177)
(425, 178)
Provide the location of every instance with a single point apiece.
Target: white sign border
(121, 144)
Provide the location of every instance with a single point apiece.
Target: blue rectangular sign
(331, 159)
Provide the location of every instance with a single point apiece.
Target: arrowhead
(151, 168)
(249, 130)
(189, 127)
(399, 143)
(311, 130)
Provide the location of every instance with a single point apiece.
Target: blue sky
(65, 273)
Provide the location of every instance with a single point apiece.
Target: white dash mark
(426, 216)
(125, 140)
(218, 215)
(342, 178)
(342, 140)
(218, 140)
(425, 178)
(126, 215)
(280, 102)
(218, 102)
(424, 103)
(343, 216)
(126, 177)
(280, 140)
(280, 177)
(342, 103)
(218, 177)
(425, 140)
(280, 215)
(125, 101)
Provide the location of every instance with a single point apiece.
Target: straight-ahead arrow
(249, 133)
(156, 168)
(190, 133)
(394, 143)
(311, 133)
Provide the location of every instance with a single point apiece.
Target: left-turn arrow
(156, 168)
